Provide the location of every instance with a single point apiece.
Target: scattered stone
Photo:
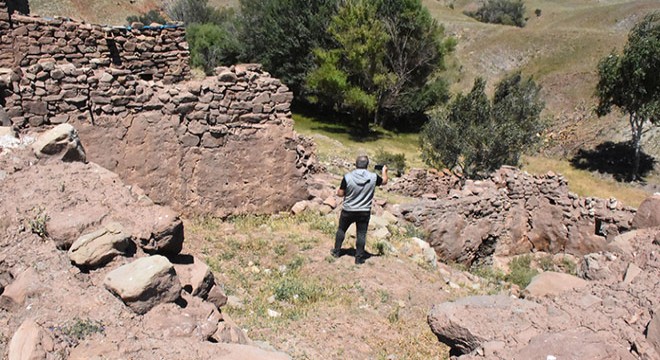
(552, 283)
(653, 331)
(198, 320)
(299, 207)
(26, 342)
(217, 297)
(144, 283)
(100, 246)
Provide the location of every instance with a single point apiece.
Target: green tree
(210, 46)
(505, 12)
(631, 82)
(383, 57)
(281, 35)
(479, 136)
(352, 76)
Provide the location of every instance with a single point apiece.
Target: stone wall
(158, 53)
(516, 213)
(221, 145)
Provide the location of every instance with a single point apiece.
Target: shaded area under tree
(613, 158)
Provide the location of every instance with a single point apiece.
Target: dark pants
(361, 220)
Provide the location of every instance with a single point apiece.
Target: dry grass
(280, 263)
(586, 183)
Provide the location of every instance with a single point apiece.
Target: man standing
(357, 188)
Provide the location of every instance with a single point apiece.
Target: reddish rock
(26, 342)
(552, 283)
(26, 284)
(648, 213)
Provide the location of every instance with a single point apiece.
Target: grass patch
(585, 183)
(520, 271)
(335, 140)
(77, 330)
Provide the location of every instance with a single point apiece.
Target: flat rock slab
(100, 246)
(573, 344)
(467, 323)
(145, 283)
(551, 283)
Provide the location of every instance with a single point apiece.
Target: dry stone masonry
(514, 213)
(222, 145)
(159, 52)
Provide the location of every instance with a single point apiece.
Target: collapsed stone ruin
(221, 145)
(511, 213)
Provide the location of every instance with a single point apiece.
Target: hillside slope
(560, 48)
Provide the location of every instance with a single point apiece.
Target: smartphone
(378, 167)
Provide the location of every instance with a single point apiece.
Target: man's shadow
(351, 252)
(613, 158)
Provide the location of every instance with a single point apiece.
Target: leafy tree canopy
(382, 61)
(505, 12)
(281, 34)
(477, 135)
(631, 81)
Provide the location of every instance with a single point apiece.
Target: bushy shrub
(505, 12)
(479, 136)
(153, 16)
(210, 46)
(394, 162)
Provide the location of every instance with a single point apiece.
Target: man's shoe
(359, 261)
(335, 253)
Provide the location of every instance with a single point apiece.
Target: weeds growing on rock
(520, 271)
(38, 222)
(77, 330)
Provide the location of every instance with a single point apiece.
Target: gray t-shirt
(359, 186)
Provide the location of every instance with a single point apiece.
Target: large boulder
(61, 142)
(26, 342)
(26, 284)
(161, 232)
(648, 213)
(195, 276)
(100, 246)
(466, 324)
(551, 283)
(145, 283)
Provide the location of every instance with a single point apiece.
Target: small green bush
(537, 12)
(293, 289)
(77, 330)
(520, 271)
(505, 12)
(38, 223)
(394, 162)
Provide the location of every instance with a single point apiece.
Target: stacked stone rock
(429, 183)
(514, 213)
(159, 53)
(6, 54)
(243, 94)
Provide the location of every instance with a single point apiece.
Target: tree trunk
(637, 127)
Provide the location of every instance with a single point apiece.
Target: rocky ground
(90, 266)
